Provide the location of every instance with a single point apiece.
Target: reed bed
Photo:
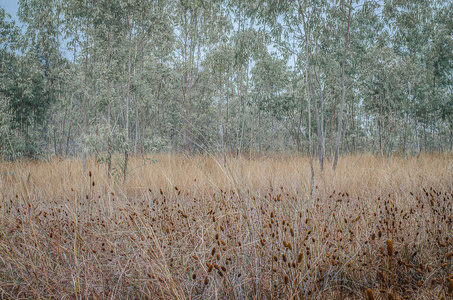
(195, 228)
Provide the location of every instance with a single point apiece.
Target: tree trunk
(137, 127)
(451, 140)
(222, 123)
(417, 144)
(85, 105)
(109, 151)
(320, 123)
(381, 140)
(126, 154)
(185, 88)
(332, 118)
(307, 66)
(70, 126)
(353, 128)
(259, 125)
(238, 91)
(424, 137)
(242, 104)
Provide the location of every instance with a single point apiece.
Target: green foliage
(224, 76)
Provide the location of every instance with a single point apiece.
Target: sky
(11, 7)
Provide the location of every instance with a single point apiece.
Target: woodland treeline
(99, 77)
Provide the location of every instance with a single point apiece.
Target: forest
(190, 76)
(226, 149)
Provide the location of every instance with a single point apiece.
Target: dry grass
(192, 229)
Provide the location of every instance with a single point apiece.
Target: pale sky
(11, 7)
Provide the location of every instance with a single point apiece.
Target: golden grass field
(194, 229)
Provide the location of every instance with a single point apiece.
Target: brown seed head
(299, 257)
(450, 285)
(390, 247)
(369, 294)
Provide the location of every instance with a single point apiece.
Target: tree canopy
(187, 76)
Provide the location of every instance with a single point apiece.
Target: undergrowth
(196, 229)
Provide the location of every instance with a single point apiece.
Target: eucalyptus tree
(99, 30)
(347, 8)
(242, 63)
(443, 64)
(309, 22)
(152, 74)
(312, 25)
(270, 78)
(419, 36)
(439, 62)
(43, 21)
(199, 26)
(249, 42)
(79, 18)
(219, 63)
(29, 72)
(9, 92)
(249, 45)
